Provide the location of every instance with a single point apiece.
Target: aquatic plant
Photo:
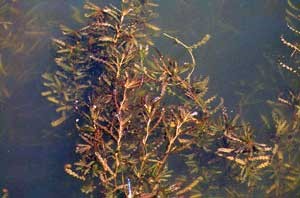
(292, 19)
(124, 106)
(25, 31)
(292, 12)
(138, 111)
(82, 56)
(244, 150)
(21, 29)
(129, 131)
(284, 170)
(246, 159)
(21, 34)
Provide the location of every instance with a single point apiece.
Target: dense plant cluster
(140, 111)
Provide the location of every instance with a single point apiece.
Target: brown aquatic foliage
(83, 55)
(284, 170)
(292, 18)
(281, 176)
(241, 148)
(139, 110)
(129, 130)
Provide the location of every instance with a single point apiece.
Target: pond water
(240, 56)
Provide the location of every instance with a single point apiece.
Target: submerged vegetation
(129, 132)
(284, 171)
(21, 35)
(138, 111)
(148, 125)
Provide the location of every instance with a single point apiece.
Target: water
(245, 40)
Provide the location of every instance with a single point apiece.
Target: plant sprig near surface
(138, 113)
(129, 130)
(82, 56)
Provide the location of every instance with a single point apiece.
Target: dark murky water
(245, 41)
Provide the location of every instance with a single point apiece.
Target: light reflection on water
(33, 154)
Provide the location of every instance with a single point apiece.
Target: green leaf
(59, 121)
